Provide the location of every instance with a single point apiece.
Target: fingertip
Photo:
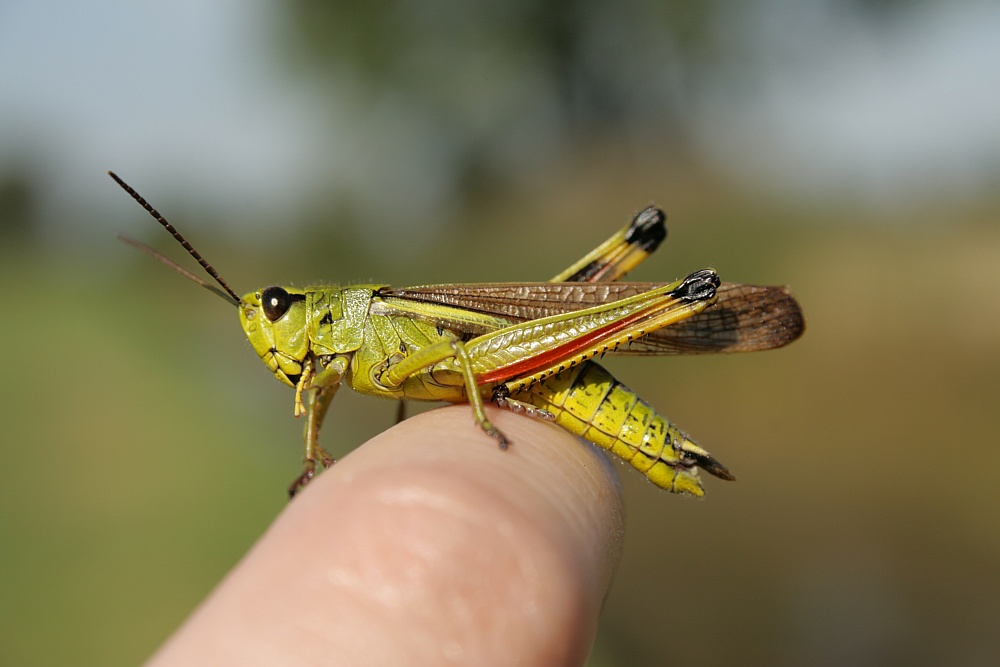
(429, 545)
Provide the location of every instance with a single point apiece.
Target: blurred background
(847, 148)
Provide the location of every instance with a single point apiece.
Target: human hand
(426, 546)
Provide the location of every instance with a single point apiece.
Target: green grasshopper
(528, 347)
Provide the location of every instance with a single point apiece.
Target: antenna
(142, 247)
(229, 294)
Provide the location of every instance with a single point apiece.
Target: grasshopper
(528, 347)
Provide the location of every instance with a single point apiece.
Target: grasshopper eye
(275, 301)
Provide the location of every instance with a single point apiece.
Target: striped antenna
(229, 294)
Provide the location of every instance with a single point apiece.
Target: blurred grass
(145, 449)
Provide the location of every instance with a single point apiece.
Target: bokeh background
(848, 148)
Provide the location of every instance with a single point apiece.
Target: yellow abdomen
(589, 402)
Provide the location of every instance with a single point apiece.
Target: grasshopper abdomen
(589, 402)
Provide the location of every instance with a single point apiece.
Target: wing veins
(745, 317)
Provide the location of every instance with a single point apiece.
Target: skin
(426, 546)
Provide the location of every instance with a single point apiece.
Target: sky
(195, 102)
(824, 103)
(884, 112)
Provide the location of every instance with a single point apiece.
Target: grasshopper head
(274, 320)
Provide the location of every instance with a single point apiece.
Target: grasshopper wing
(745, 317)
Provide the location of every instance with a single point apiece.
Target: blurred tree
(445, 100)
(19, 206)
(501, 83)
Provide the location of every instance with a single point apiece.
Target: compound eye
(275, 301)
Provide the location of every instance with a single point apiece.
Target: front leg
(319, 392)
